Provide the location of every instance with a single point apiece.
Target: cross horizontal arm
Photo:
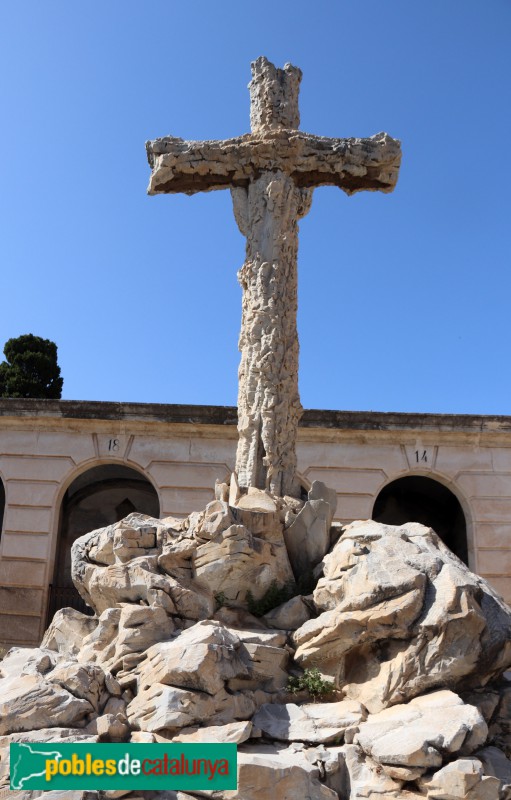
(353, 165)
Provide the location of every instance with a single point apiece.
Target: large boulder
(266, 771)
(289, 615)
(159, 707)
(183, 566)
(232, 732)
(311, 722)
(362, 778)
(308, 536)
(39, 690)
(128, 562)
(462, 779)
(67, 630)
(122, 632)
(495, 763)
(236, 562)
(402, 615)
(84, 681)
(201, 658)
(421, 733)
(28, 703)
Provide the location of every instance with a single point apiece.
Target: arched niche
(98, 497)
(2, 505)
(416, 498)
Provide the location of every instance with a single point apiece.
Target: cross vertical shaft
(269, 407)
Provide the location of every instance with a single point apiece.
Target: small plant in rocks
(312, 682)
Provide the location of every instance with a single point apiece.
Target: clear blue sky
(404, 298)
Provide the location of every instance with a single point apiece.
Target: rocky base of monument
(358, 662)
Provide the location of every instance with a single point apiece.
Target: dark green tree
(30, 369)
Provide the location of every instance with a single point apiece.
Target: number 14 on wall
(419, 456)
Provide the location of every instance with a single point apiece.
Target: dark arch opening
(2, 505)
(101, 496)
(420, 499)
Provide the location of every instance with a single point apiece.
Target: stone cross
(271, 172)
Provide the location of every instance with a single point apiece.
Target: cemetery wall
(182, 450)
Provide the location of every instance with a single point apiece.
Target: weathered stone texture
(315, 722)
(200, 658)
(269, 407)
(401, 616)
(271, 173)
(353, 164)
(148, 673)
(274, 96)
(463, 779)
(270, 772)
(409, 735)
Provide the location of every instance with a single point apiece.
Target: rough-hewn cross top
(271, 173)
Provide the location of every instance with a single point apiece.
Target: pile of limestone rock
(414, 643)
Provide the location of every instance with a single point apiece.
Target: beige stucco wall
(41, 454)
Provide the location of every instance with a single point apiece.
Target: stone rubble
(415, 643)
